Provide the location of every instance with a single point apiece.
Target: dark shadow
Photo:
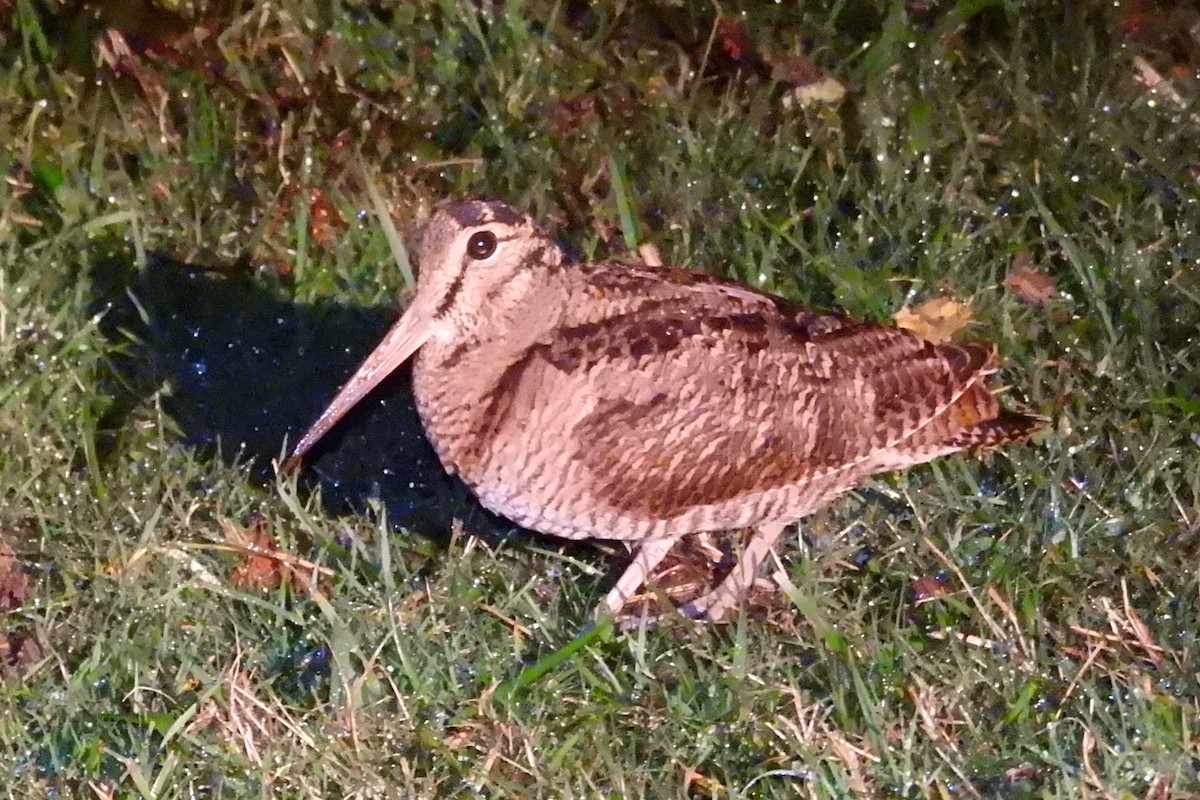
(246, 371)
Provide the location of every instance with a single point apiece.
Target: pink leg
(649, 555)
(730, 591)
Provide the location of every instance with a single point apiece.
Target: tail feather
(976, 420)
(1007, 427)
(970, 361)
(948, 396)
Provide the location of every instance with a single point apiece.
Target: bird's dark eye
(481, 245)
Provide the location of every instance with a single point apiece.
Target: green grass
(1056, 655)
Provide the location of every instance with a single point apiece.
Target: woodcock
(636, 403)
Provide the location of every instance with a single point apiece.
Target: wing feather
(716, 391)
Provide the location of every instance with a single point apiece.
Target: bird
(642, 404)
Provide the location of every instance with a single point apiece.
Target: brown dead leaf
(1027, 281)
(730, 53)
(325, 223)
(568, 116)
(927, 587)
(695, 781)
(18, 648)
(1160, 787)
(1021, 772)
(650, 254)
(811, 84)
(796, 70)
(731, 40)
(14, 584)
(1141, 20)
(264, 567)
(935, 320)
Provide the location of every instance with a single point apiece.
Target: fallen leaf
(650, 254)
(1160, 787)
(796, 71)
(1141, 20)
(324, 220)
(1027, 281)
(702, 784)
(264, 566)
(733, 41)
(731, 52)
(935, 320)
(567, 116)
(14, 584)
(927, 587)
(811, 84)
(18, 648)
(462, 736)
(1021, 772)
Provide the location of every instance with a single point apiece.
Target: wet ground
(243, 372)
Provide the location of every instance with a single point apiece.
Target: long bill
(409, 333)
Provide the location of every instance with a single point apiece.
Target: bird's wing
(697, 397)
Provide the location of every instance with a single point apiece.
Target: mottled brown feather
(808, 401)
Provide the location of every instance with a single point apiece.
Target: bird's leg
(649, 555)
(730, 591)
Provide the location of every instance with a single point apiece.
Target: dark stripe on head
(470, 213)
(451, 292)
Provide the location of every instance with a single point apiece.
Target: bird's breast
(484, 410)
(507, 427)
